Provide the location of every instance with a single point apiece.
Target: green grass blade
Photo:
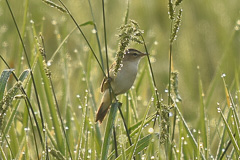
(191, 137)
(66, 38)
(133, 150)
(3, 79)
(141, 145)
(108, 130)
(202, 119)
(230, 133)
(52, 107)
(3, 156)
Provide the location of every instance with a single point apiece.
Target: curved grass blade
(108, 131)
(3, 79)
(54, 5)
(65, 39)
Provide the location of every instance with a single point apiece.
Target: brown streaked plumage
(121, 82)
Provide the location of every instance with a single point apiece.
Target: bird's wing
(105, 82)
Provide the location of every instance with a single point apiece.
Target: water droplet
(166, 91)
(150, 130)
(78, 96)
(223, 75)
(237, 28)
(49, 63)
(89, 151)
(75, 51)
(94, 31)
(31, 21)
(155, 42)
(54, 22)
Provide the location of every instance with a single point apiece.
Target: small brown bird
(121, 82)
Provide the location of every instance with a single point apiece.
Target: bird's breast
(124, 78)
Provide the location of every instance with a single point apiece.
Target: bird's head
(133, 55)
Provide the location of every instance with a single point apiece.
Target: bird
(120, 82)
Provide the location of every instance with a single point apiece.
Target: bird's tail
(102, 111)
(103, 108)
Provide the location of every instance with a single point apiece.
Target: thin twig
(115, 141)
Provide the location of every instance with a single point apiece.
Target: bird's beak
(144, 54)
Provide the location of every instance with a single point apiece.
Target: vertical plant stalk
(31, 73)
(85, 38)
(97, 36)
(48, 73)
(173, 35)
(154, 82)
(115, 141)
(108, 131)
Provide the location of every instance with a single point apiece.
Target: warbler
(120, 82)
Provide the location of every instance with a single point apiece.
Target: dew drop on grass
(150, 130)
(166, 91)
(237, 28)
(75, 51)
(66, 128)
(155, 42)
(223, 75)
(54, 22)
(170, 114)
(139, 98)
(94, 31)
(49, 63)
(152, 59)
(218, 110)
(78, 96)
(194, 130)
(152, 157)
(31, 21)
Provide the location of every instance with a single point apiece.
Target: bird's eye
(135, 54)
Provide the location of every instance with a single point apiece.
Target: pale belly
(124, 80)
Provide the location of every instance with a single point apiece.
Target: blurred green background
(208, 38)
